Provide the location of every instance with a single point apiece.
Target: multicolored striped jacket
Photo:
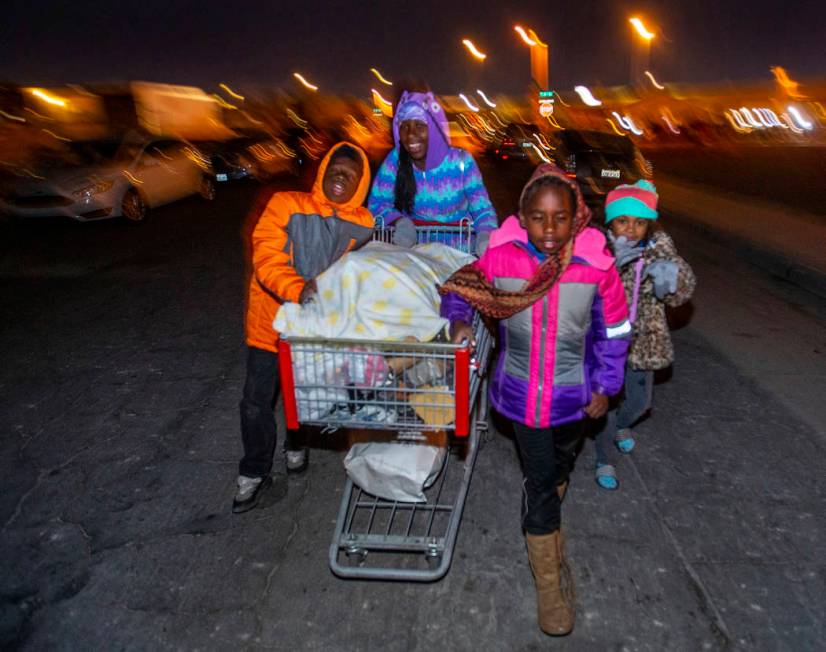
(447, 193)
(570, 344)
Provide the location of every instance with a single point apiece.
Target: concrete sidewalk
(788, 243)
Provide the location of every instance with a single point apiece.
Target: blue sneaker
(606, 477)
(625, 441)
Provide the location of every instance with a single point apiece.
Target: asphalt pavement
(790, 176)
(123, 365)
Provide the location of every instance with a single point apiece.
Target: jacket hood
(590, 246)
(438, 136)
(361, 191)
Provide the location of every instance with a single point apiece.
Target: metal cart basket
(423, 393)
(460, 236)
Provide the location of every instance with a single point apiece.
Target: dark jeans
(548, 456)
(258, 430)
(635, 401)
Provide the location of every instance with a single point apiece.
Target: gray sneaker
(258, 492)
(297, 461)
(248, 492)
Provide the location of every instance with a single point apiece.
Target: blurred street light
(527, 39)
(380, 78)
(468, 103)
(231, 92)
(640, 50)
(222, 102)
(657, 85)
(586, 96)
(534, 37)
(304, 82)
(641, 29)
(478, 54)
(485, 98)
(49, 99)
(799, 118)
(539, 56)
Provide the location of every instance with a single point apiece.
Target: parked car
(600, 161)
(519, 142)
(95, 180)
(251, 157)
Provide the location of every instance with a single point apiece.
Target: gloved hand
(664, 274)
(482, 241)
(404, 232)
(626, 251)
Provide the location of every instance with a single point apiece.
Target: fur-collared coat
(651, 346)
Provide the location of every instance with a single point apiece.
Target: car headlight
(93, 189)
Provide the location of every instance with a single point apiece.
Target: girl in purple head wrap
(424, 178)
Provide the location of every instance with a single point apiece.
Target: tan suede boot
(555, 596)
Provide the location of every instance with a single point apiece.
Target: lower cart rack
(392, 540)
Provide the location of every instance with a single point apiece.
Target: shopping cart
(459, 236)
(423, 393)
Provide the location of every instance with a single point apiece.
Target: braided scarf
(470, 283)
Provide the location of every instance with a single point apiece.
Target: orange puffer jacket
(297, 237)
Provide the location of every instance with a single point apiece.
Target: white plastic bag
(395, 470)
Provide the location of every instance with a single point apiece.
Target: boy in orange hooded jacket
(297, 237)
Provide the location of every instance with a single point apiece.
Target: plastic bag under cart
(387, 539)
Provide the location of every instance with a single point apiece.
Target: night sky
(334, 43)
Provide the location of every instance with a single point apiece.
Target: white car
(94, 180)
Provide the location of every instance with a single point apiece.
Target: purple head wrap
(411, 111)
(424, 107)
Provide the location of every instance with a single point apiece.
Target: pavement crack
(86, 536)
(259, 617)
(706, 602)
(44, 473)
(19, 506)
(200, 527)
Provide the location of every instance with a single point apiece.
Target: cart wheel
(356, 556)
(489, 429)
(486, 432)
(434, 558)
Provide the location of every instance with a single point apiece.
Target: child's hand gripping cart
(433, 393)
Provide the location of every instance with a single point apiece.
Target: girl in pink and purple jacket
(563, 338)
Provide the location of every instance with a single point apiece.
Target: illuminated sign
(546, 108)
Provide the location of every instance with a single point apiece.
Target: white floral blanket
(380, 292)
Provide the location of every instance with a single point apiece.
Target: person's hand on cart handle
(308, 292)
(460, 332)
(598, 406)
